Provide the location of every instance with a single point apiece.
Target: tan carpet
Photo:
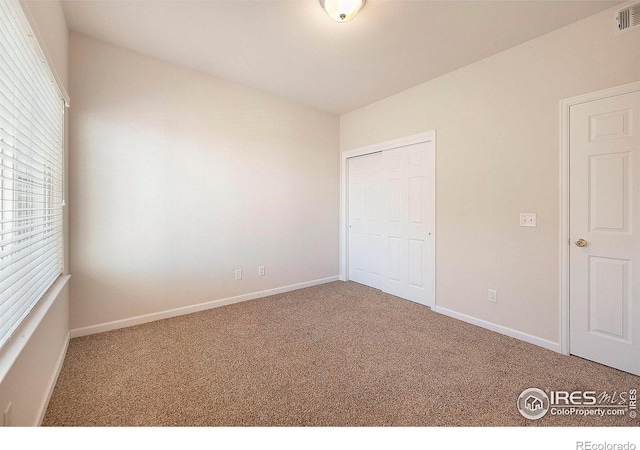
(339, 354)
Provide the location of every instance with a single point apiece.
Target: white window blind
(31, 171)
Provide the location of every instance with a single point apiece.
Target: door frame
(429, 136)
(565, 236)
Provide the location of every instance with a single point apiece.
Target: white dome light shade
(342, 10)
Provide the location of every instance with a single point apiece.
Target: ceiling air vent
(628, 18)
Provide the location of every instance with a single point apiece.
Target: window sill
(10, 353)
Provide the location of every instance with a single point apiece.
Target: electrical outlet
(528, 220)
(6, 416)
(238, 274)
(260, 271)
(493, 296)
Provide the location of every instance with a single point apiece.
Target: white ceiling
(293, 49)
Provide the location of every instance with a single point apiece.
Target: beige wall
(29, 365)
(497, 125)
(179, 178)
(29, 383)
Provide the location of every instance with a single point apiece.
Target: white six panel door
(604, 212)
(391, 207)
(365, 222)
(408, 213)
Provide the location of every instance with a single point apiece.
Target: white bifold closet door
(365, 219)
(391, 220)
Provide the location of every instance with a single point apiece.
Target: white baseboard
(544, 343)
(137, 320)
(53, 381)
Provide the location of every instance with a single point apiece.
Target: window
(31, 171)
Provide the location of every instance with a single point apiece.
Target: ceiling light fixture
(342, 10)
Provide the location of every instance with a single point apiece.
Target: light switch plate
(528, 220)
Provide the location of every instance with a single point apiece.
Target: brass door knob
(581, 243)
